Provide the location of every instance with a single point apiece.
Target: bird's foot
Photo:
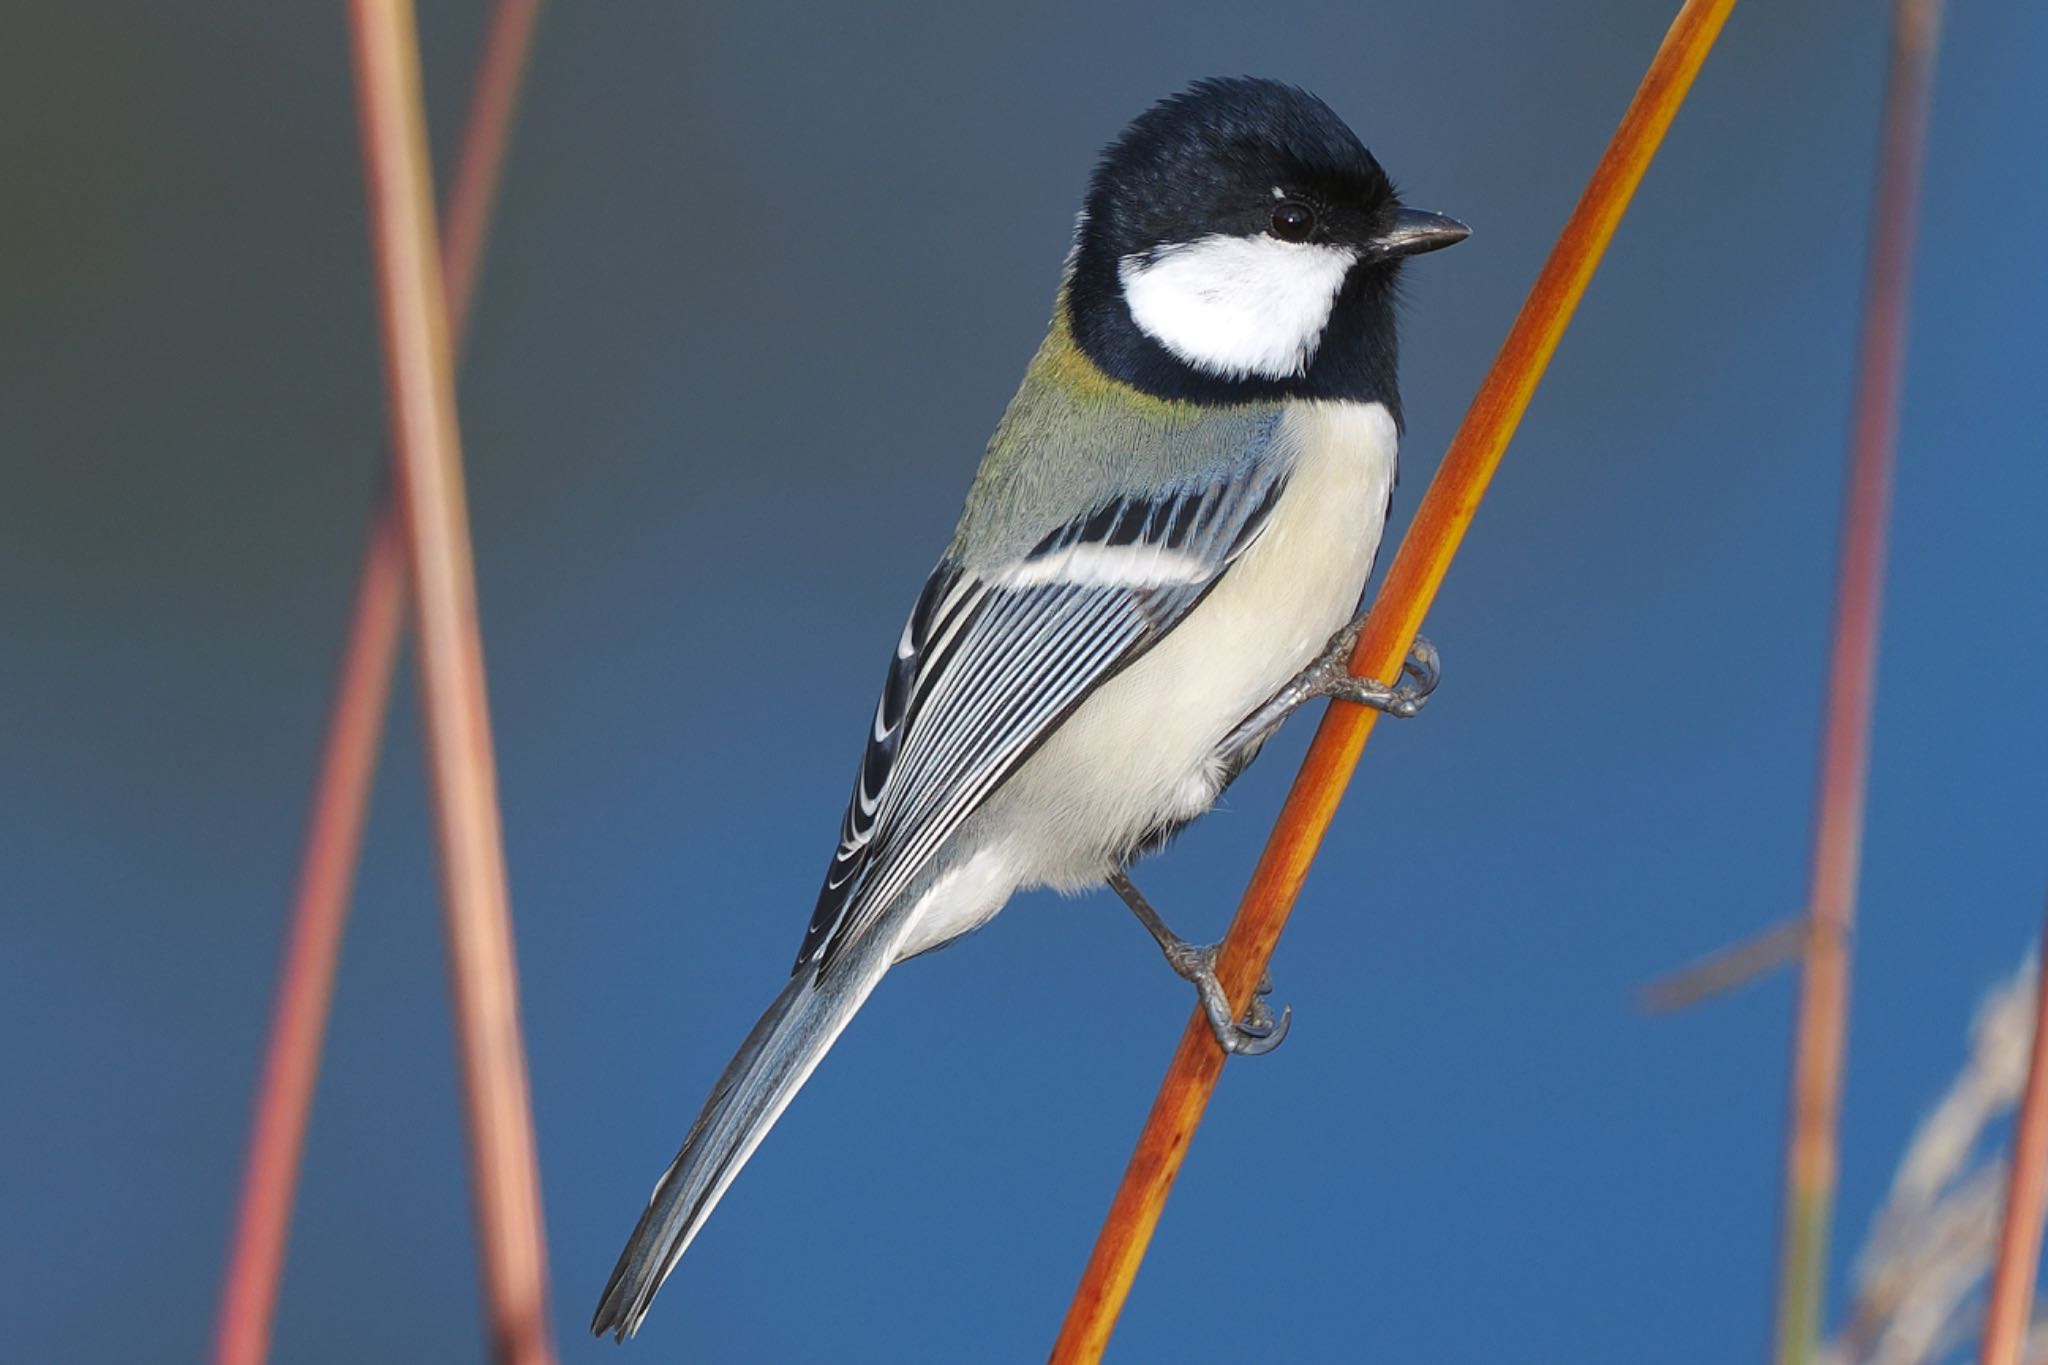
(1257, 1033)
(1331, 676)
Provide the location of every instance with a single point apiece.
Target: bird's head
(1239, 242)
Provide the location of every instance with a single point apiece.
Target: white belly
(1143, 749)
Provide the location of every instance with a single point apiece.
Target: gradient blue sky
(767, 273)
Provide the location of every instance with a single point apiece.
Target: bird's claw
(1257, 1033)
(1425, 666)
(1421, 671)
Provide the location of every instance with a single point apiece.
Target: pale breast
(1142, 750)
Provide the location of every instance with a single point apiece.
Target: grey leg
(1330, 676)
(1257, 1033)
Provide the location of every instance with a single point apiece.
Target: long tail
(770, 1067)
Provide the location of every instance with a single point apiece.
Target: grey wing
(991, 662)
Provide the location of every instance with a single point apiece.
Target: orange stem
(1813, 1137)
(2019, 1240)
(427, 459)
(348, 763)
(1412, 581)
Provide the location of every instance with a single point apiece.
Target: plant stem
(1820, 1033)
(1412, 581)
(2019, 1240)
(306, 985)
(348, 762)
(427, 460)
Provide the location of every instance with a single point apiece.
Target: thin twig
(2019, 1240)
(1812, 1139)
(348, 761)
(1412, 581)
(427, 458)
(1736, 965)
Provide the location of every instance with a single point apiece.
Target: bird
(1161, 556)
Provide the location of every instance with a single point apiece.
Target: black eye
(1293, 221)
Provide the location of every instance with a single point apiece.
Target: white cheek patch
(1237, 306)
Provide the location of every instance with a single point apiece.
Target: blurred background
(764, 276)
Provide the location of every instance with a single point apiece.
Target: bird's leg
(1331, 676)
(1257, 1032)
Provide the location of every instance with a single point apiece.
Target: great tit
(1157, 561)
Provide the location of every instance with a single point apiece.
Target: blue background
(765, 276)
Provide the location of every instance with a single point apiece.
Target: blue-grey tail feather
(757, 1085)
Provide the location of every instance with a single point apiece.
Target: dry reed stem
(1411, 584)
(291, 1066)
(427, 458)
(2019, 1241)
(1811, 1143)
(348, 763)
(480, 160)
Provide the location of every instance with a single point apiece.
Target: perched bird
(1158, 558)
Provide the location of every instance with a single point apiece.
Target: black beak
(1415, 232)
